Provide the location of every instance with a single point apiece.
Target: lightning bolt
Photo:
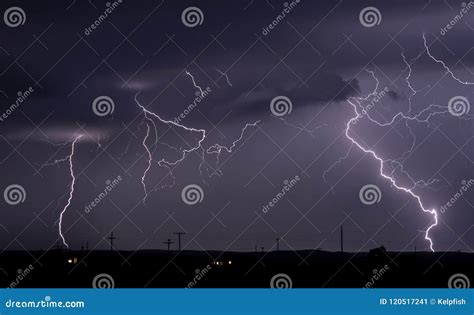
(71, 192)
(422, 116)
(225, 75)
(446, 68)
(194, 83)
(149, 161)
(216, 149)
(389, 176)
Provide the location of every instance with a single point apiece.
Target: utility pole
(278, 244)
(168, 242)
(262, 248)
(179, 239)
(111, 238)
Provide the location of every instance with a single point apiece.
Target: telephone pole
(168, 242)
(278, 244)
(111, 238)
(179, 239)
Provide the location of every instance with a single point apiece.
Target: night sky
(321, 56)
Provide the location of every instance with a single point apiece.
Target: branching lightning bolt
(182, 153)
(422, 116)
(388, 176)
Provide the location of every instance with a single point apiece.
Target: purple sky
(319, 55)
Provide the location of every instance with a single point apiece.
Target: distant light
(69, 261)
(230, 262)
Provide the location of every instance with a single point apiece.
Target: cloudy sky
(115, 75)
